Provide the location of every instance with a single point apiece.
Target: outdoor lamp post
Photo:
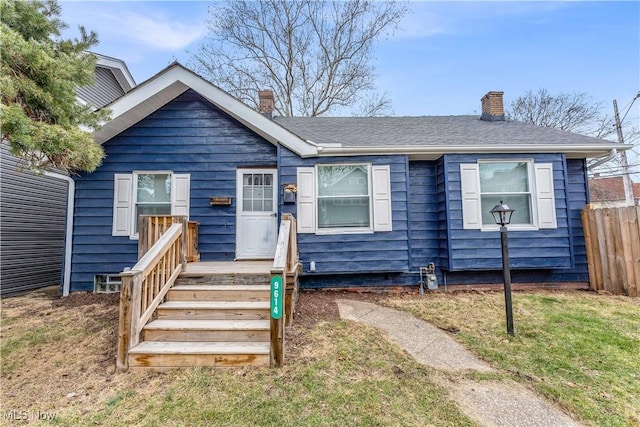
(502, 215)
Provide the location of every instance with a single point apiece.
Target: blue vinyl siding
(570, 186)
(577, 194)
(423, 204)
(188, 135)
(480, 250)
(444, 232)
(354, 253)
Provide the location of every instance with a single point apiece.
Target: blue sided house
(375, 199)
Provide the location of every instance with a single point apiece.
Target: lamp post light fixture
(502, 215)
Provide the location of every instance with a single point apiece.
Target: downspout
(71, 194)
(612, 154)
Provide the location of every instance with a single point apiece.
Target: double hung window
(147, 193)
(523, 185)
(509, 182)
(153, 194)
(344, 198)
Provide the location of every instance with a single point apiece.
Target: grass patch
(346, 374)
(580, 350)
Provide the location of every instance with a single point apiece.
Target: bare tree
(574, 112)
(314, 55)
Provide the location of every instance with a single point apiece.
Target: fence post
(586, 215)
(124, 324)
(277, 323)
(143, 235)
(634, 237)
(184, 241)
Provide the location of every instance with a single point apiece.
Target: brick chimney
(266, 103)
(492, 107)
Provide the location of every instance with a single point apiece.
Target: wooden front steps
(164, 355)
(219, 320)
(214, 310)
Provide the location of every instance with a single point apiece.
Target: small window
(509, 182)
(153, 195)
(257, 192)
(147, 193)
(106, 283)
(344, 196)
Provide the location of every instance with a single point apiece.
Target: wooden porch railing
(285, 265)
(144, 287)
(151, 227)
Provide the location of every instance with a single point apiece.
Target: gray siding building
(33, 207)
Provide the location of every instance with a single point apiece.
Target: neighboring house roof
(174, 80)
(611, 188)
(433, 136)
(112, 80)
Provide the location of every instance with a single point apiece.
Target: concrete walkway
(489, 403)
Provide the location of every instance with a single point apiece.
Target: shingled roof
(426, 130)
(431, 136)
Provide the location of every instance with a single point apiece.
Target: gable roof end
(119, 70)
(174, 80)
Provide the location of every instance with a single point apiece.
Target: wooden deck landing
(228, 267)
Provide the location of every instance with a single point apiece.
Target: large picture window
(509, 182)
(343, 196)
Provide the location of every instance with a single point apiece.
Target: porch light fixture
(502, 215)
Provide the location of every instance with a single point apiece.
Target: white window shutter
(306, 183)
(122, 206)
(471, 206)
(381, 179)
(180, 195)
(545, 196)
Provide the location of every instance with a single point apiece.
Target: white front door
(257, 213)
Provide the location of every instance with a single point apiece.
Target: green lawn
(579, 349)
(344, 374)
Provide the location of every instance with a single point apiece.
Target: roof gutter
(611, 155)
(71, 194)
(464, 149)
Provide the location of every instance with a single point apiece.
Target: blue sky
(443, 59)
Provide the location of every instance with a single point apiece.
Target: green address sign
(276, 297)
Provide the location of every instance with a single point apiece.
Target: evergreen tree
(39, 73)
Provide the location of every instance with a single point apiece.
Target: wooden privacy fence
(612, 239)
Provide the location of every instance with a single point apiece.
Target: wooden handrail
(285, 266)
(152, 227)
(144, 287)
